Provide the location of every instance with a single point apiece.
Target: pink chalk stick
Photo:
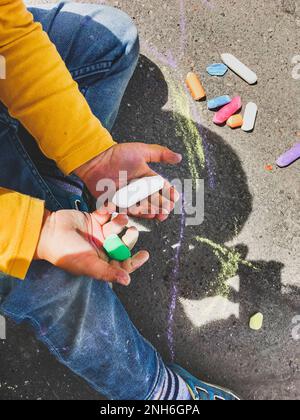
(228, 110)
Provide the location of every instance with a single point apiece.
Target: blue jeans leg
(80, 320)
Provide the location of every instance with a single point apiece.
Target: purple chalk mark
(182, 26)
(175, 284)
(208, 4)
(289, 157)
(167, 60)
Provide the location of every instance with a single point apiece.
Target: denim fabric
(80, 320)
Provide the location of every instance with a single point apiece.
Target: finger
(136, 262)
(163, 203)
(115, 226)
(102, 216)
(131, 237)
(107, 208)
(91, 265)
(143, 210)
(159, 154)
(168, 191)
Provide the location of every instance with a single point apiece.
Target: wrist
(38, 255)
(84, 170)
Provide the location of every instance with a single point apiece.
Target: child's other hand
(134, 159)
(74, 241)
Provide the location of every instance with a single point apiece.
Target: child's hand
(73, 241)
(134, 159)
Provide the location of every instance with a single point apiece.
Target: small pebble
(218, 69)
(256, 322)
(269, 168)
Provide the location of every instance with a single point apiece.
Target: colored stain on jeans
(230, 261)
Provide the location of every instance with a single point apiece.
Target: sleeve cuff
(84, 154)
(31, 225)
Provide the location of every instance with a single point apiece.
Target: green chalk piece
(256, 322)
(116, 249)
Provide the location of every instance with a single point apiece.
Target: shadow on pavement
(212, 335)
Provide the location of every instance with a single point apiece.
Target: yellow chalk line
(186, 128)
(230, 261)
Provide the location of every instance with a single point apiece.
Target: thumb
(155, 153)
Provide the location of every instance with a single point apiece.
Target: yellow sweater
(39, 91)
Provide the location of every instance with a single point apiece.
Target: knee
(126, 33)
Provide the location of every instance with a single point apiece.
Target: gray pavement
(244, 257)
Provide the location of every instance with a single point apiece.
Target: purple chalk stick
(289, 157)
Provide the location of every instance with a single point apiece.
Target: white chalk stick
(250, 116)
(239, 68)
(137, 191)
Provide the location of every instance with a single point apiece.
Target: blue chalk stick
(217, 69)
(218, 102)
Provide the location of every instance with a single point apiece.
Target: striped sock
(173, 388)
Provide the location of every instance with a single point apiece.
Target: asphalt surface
(244, 257)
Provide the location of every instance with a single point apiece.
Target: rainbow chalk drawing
(189, 128)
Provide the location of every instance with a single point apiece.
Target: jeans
(80, 320)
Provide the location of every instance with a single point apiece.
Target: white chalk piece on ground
(138, 191)
(256, 322)
(239, 68)
(250, 116)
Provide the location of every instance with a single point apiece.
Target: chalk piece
(256, 322)
(116, 249)
(137, 191)
(269, 168)
(131, 237)
(195, 86)
(239, 68)
(289, 157)
(228, 110)
(235, 121)
(218, 69)
(218, 102)
(249, 116)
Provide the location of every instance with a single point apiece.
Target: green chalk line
(230, 261)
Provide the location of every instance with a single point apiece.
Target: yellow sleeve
(21, 220)
(39, 91)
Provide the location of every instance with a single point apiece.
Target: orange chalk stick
(235, 121)
(195, 87)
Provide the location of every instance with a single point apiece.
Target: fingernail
(179, 156)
